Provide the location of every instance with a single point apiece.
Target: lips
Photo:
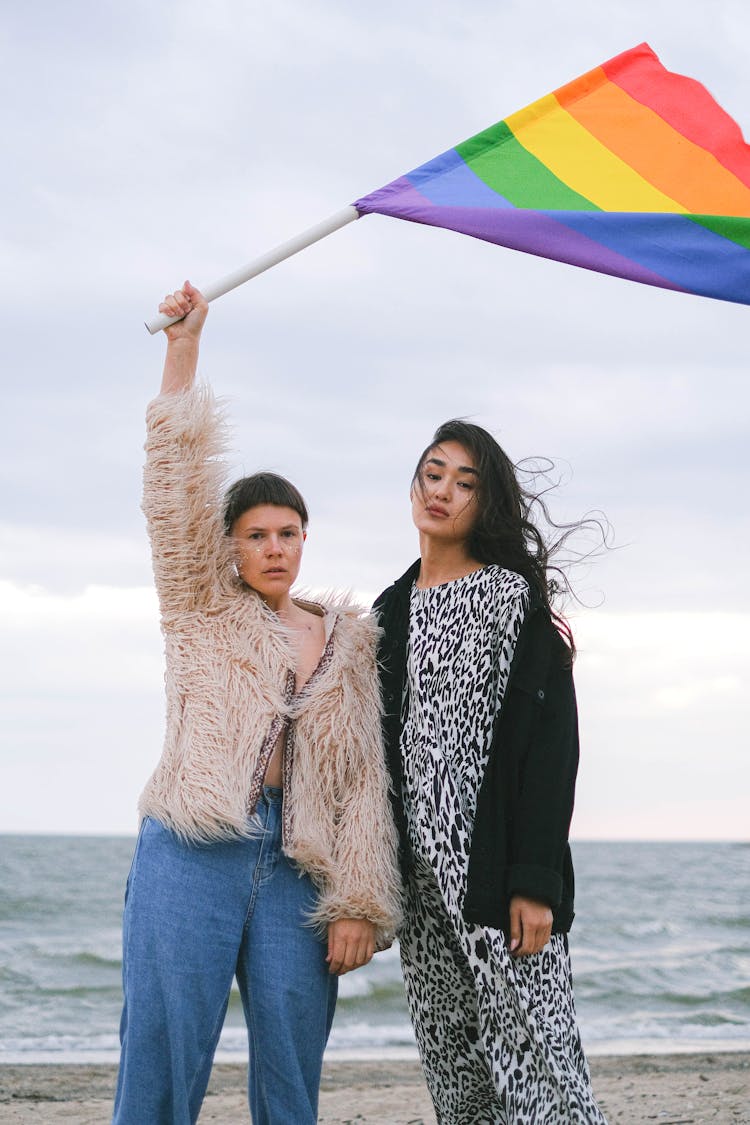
(436, 510)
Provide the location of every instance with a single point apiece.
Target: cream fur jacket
(230, 689)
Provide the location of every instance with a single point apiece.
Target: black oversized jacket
(525, 803)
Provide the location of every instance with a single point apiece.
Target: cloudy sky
(148, 142)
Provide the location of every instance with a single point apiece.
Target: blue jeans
(195, 916)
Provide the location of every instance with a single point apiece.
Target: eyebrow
(442, 465)
(286, 527)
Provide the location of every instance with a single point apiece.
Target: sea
(660, 949)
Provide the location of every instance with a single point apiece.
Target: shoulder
(383, 598)
(540, 643)
(352, 622)
(356, 636)
(509, 581)
(397, 592)
(509, 592)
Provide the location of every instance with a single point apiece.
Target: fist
(191, 306)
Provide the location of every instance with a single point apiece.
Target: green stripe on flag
(502, 162)
(733, 228)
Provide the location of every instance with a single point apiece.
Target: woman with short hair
(266, 849)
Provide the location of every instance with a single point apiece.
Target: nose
(443, 489)
(273, 545)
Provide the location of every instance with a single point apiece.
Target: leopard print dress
(497, 1035)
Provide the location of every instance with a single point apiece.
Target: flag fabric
(630, 170)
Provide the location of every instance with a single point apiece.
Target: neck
(281, 604)
(443, 562)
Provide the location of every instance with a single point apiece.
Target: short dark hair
(262, 488)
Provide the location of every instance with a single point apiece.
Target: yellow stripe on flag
(652, 147)
(582, 162)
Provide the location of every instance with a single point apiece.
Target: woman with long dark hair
(482, 741)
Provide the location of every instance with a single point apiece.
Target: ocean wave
(373, 995)
(660, 951)
(15, 978)
(89, 993)
(85, 957)
(58, 1044)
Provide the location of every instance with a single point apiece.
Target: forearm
(362, 880)
(543, 815)
(183, 337)
(180, 365)
(367, 883)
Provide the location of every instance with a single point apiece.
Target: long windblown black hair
(506, 530)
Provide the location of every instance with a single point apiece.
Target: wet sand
(684, 1089)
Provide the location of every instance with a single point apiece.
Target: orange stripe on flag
(641, 138)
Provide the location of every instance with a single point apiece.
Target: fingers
(345, 956)
(516, 933)
(351, 944)
(175, 304)
(530, 926)
(533, 941)
(354, 958)
(189, 307)
(182, 301)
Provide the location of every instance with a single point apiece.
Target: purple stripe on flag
(530, 231)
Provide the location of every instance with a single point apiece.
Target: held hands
(351, 944)
(530, 926)
(190, 304)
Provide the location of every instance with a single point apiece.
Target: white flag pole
(259, 265)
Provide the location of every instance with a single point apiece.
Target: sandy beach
(683, 1089)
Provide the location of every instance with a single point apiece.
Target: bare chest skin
(309, 639)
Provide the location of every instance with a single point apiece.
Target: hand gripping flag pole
(629, 170)
(265, 262)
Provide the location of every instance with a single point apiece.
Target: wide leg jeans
(196, 916)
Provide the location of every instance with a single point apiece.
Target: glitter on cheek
(258, 548)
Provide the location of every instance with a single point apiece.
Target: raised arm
(183, 338)
(184, 477)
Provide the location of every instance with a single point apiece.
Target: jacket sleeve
(546, 773)
(364, 880)
(182, 489)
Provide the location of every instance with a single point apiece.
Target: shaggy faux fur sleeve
(365, 880)
(183, 485)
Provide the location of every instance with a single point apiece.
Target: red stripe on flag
(684, 104)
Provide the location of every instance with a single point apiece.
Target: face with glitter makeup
(270, 540)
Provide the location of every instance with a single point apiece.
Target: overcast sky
(148, 142)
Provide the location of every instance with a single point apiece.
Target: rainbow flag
(629, 170)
